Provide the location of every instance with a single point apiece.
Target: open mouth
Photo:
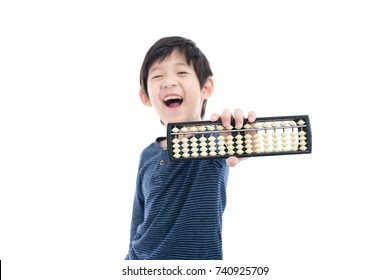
(173, 101)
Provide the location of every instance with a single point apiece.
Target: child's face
(174, 90)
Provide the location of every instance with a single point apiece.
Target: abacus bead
(176, 155)
(212, 153)
(194, 145)
(212, 148)
(301, 122)
(283, 124)
(249, 151)
(211, 128)
(194, 139)
(248, 136)
(202, 144)
(175, 140)
(222, 153)
(184, 129)
(220, 138)
(240, 152)
(176, 151)
(229, 137)
(264, 125)
(220, 127)
(185, 150)
(185, 145)
(256, 125)
(203, 149)
(186, 155)
(212, 138)
(175, 130)
(239, 142)
(194, 129)
(303, 148)
(230, 152)
(247, 126)
(292, 123)
(176, 145)
(202, 129)
(239, 137)
(294, 144)
(249, 146)
(239, 147)
(302, 133)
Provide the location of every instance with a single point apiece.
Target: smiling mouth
(173, 101)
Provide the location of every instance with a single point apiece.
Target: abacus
(285, 135)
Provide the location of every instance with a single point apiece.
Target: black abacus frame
(306, 127)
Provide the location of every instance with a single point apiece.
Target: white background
(72, 128)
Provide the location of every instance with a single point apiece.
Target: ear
(144, 98)
(208, 88)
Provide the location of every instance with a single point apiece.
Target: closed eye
(156, 76)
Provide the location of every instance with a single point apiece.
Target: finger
(215, 117)
(251, 116)
(238, 118)
(226, 118)
(232, 161)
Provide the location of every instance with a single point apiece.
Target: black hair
(194, 56)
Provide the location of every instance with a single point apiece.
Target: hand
(238, 118)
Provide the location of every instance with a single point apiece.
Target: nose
(168, 82)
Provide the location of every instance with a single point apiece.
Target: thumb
(232, 161)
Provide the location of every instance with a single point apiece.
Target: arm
(138, 209)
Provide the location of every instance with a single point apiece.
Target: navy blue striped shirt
(178, 207)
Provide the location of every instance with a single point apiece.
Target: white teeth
(172, 97)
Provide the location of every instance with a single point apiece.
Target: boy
(178, 206)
